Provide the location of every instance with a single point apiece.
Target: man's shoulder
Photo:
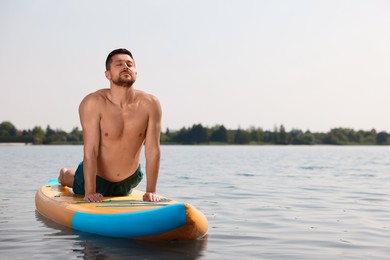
(95, 97)
(149, 103)
(146, 97)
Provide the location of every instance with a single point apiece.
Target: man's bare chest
(129, 123)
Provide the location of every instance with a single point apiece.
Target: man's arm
(90, 121)
(152, 150)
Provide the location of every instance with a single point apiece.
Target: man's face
(122, 70)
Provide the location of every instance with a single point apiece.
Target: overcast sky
(309, 64)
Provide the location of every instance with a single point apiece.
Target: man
(116, 123)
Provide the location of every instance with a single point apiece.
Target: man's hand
(150, 196)
(93, 197)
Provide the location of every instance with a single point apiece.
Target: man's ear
(108, 74)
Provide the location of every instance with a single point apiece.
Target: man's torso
(122, 133)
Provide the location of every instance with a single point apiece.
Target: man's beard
(124, 82)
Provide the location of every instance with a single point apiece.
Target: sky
(304, 64)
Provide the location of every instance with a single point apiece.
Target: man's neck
(122, 96)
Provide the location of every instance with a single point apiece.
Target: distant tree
(54, 136)
(198, 134)
(268, 137)
(219, 135)
(256, 134)
(360, 136)
(308, 138)
(180, 136)
(7, 129)
(336, 136)
(49, 132)
(352, 135)
(242, 137)
(75, 136)
(382, 138)
(283, 136)
(275, 135)
(166, 137)
(38, 135)
(230, 136)
(295, 135)
(369, 137)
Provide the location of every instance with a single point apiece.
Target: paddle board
(125, 216)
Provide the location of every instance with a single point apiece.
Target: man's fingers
(94, 197)
(152, 197)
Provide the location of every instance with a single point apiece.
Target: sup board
(126, 216)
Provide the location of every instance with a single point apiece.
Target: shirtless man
(116, 123)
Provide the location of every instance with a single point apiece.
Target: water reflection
(90, 246)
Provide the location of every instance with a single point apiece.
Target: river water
(262, 202)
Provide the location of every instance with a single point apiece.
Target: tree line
(218, 134)
(38, 135)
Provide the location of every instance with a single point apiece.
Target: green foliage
(242, 137)
(256, 134)
(75, 136)
(283, 136)
(382, 138)
(279, 136)
(9, 133)
(347, 136)
(195, 135)
(38, 135)
(7, 129)
(198, 134)
(219, 134)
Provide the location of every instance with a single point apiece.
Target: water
(262, 202)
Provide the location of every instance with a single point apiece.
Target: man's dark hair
(114, 52)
